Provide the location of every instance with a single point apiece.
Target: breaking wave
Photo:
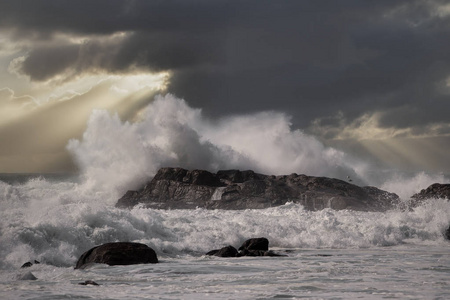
(55, 221)
(119, 155)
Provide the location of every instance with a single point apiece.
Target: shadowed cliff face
(177, 188)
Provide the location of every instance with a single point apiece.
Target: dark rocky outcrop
(251, 247)
(29, 264)
(177, 188)
(255, 244)
(434, 191)
(122, 253)
(447, 233)
(228, 251)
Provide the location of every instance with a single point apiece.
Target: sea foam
(56, 221)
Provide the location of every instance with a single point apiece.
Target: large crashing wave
(120, 154)
(55, 222)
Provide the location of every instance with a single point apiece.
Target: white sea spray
(368, 254)
(119, 155)
(57, 222)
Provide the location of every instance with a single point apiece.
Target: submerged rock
(122, 253)
(26, 276)
(246, 252)
(88, 282)
(177, 188)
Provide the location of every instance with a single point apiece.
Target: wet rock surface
(255, 244)
(436, 190)
(122, 253)
(88, 282)
(227, 251)
(29, 264)
(251, 247)
(177, 188)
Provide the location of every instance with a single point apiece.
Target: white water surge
(394, 254)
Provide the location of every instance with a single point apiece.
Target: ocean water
(398, 254)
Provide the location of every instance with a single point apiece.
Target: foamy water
(392, 273)
(373, 254)
(330, 254)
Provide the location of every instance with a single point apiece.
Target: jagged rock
(255, 244)
(256, 247)
(177, 188)
(435, 190)
(29, 264)
(122, 253)
(228, 251)
(26, 265)
(251, 247)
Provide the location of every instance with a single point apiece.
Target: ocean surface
(398, 254)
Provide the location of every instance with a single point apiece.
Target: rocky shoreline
(436, 190)
(129, 253)
(177, 188)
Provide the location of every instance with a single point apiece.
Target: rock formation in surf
(122, 253)
(177, 188)
(434, 191)
(251, 247)
(89, 282)
(447, 233)
(255, 244)
(29, 264)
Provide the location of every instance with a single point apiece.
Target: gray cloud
(312, 59)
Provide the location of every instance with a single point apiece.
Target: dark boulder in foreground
(434, 191)
(177, 188)
(251, 247)
(122, 253)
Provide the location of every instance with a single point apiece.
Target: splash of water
(406, 186)
(57, 221)
(118, 155)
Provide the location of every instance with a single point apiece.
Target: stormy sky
(369, 77)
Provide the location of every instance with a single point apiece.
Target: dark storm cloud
(46, 62)
(312, 59)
